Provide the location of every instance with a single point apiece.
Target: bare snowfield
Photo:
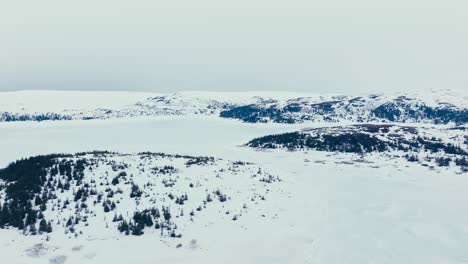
(329, 208)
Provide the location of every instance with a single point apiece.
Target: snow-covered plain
(330, 207)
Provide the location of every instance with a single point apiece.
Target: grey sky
(164, 46)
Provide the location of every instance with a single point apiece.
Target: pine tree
(38, 200)
(70, 221)
(123, 227)
(149, 221)
(106, 208)
(137, 230)
(4, 215)
(49, 227)
(32, 229)
(31, 217)
(42, 226)
(167, 214)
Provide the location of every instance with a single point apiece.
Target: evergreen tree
(4, 215)
(70, 221)
(106, 208)
(49, 227)
(137, 230)
(32, 229)
(42, 226)
(148, 221)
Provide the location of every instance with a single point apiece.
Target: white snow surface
(59, 101)
(328, 208)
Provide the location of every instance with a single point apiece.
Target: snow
(40, 101)
(332, 208)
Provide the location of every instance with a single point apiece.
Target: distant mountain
(357, 109)
(438, 107)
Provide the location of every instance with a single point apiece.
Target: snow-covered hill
(428, 107)
(428, 146)
(66, 105)
(371, 108)
(100, 194)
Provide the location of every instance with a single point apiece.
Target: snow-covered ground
(332, 208)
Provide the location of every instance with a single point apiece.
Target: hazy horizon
(336, 46)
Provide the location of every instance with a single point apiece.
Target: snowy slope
(282, 107)
(428, 146)
(400, 107)
(99, 195)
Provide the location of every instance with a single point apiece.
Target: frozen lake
(196, 135)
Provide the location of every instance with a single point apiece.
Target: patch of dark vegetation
(401, 111)
(149, 218)
(364, 139)
(463, 163)
(349, 142)
(24, 182)
(254, 114)
(15, 117)
(177, 156)
(360, 139)
(164, 170)
(199, 161)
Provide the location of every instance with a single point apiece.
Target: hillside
(428, 146)
(431, 107)
(103, 194)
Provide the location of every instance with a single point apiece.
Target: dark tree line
(354, 142)
(14, 117)
(30, 183)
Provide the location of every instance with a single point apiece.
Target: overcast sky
(173, 45)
